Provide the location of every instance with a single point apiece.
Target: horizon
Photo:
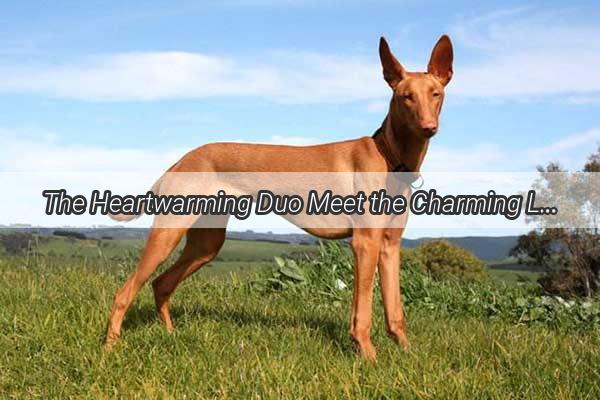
(275, 232)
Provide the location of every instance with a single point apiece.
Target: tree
(567, 245)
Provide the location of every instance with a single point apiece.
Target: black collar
(395, 165)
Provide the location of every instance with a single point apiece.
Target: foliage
(563, 282)
(329, 275)
(69, 234)
(540, 249)
(518, 304)
(441, 259)
(567, 245)
(16, 243)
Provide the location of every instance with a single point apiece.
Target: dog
(399, 145)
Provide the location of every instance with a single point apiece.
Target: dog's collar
(391, 159)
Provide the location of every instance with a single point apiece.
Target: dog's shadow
(333, 331)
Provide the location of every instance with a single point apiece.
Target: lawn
(235, 342)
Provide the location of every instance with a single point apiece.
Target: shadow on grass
(141, 316)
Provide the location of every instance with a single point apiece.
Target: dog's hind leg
(160, 243)
(202, 245)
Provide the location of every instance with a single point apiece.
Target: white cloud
(482, 157)
(527, 55)
(511, 54)
(30, 165)
(142, 76)
(571, 151)
(584, 100)
(46, 155)
(285, 77)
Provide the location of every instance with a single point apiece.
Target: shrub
(565, 283)
(571, 260)
(329, 271)
(441, 260)
(16, 243)
(70, 234)
(328, 274)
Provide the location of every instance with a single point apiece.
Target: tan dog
(399, 145)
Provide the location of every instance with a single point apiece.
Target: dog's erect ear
(393, 72)
(440, 63)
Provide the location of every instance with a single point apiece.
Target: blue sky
(132, 85)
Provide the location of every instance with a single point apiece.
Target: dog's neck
(403, 150)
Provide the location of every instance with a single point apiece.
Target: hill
(488, 248)
(485, 247)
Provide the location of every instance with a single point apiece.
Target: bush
(328, 274)
(70, 234)
(569, 281)
(571, 260)
(329, 271)
(441, 260)
(565, 283)
(16, 243)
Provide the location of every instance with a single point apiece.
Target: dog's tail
(129, 217)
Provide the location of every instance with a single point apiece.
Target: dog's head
(418, 96)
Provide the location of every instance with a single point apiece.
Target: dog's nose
(429, 128)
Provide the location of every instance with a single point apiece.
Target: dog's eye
(436, 94)
(407, 96)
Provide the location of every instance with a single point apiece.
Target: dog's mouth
(429, 133)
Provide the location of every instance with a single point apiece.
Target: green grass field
(510, 276)
(234, 342)
(239, 256)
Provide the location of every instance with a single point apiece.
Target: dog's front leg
(389, 276)
(365, 245)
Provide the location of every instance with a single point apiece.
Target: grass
(236, 342)
(242, 257)
(232, 342)
(233, 250)
(512, 276)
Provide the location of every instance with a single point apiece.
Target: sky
(133, 85)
